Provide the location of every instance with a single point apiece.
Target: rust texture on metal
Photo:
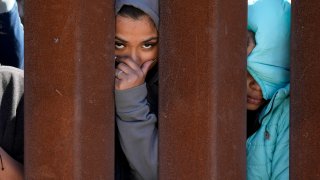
(69, 114)
(305, 96)
(202, 119)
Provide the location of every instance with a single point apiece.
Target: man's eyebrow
(122, 40)
(150, 39)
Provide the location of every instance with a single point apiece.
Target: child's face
(254, 94)
(136, 39)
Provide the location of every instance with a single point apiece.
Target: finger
(146, 66)
(119, 74)
(125, 68)
(129, 62)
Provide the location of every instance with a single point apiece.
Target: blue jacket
(11, 39)
(268, 148)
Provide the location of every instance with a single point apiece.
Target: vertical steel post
(202, 120)
(69, 115)
(305, 96)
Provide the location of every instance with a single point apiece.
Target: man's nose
(134, 55)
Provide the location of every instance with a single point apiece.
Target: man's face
(136, 39)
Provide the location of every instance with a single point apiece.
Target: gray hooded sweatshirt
(136, 113)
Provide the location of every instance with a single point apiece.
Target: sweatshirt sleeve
(280, 160)
(11, 36)
(137, 131)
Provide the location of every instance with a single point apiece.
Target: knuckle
(121, 65)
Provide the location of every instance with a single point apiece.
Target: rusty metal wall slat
(202, 120)
(69, 114)
(305, 96)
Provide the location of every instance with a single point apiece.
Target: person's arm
(138, 133)
(10, 168)
(11, 35)
(280, 160)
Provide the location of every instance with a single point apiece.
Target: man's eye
(118, 45)
(147, 46)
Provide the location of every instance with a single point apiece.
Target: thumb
(146, 66)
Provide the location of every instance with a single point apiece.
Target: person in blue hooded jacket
(11, 35)
(268, 86)
(136, 89)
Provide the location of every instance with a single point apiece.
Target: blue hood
(269, 62)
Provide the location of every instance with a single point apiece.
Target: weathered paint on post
(69, 114)
(202, 120)
(305, 96)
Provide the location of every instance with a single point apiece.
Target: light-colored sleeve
(280, 160)
(138, 131)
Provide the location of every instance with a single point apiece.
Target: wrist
(123, 87)
(130, 98)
